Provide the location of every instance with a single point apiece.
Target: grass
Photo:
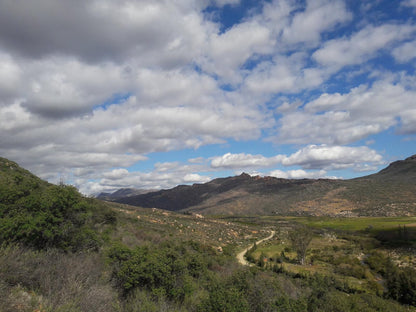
(372, 224)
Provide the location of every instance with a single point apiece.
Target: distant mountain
(401, 170)
(390, 192)
(122, 193)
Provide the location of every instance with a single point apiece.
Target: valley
(61, 251)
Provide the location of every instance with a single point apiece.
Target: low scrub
(54, 281)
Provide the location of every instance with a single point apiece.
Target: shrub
(224, 297)
(377, 262)
(401, 284)
(57, 280)
(53, 217)
(166, 271)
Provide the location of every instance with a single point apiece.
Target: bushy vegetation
(53, 280)
(41, 215)
(170, 270)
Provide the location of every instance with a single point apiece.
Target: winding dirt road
(240, 255)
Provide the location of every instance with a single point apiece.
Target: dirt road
(240, 255)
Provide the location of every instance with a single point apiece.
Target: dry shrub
(16, 298)
(67, 282)
(142, 301)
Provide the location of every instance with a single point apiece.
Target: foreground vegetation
(152, 269)
(60, 251)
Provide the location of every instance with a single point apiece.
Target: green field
(373, 224)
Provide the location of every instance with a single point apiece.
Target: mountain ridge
(389, 192)
(123, 192)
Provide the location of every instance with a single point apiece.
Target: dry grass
(55, 281)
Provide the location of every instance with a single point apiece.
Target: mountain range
(122, 193)
(390, 192)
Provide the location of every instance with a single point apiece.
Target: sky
(107, 94)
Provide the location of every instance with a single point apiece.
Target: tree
(300, 238)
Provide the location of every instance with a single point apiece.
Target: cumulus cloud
(90, 88)
(285, 74)
(103, 30)
(115, 174)
(316, 157)
(333, 157)
(346, 118)
(228, 51)
(298, 174)
(405, 52)
(362, 45)
(319, 16)
(10, 75)
(196, 178)
(238, 161)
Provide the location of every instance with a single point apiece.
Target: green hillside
(42, 215)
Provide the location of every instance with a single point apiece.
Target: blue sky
(106, 94)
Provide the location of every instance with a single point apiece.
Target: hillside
(122, 193)
(390, 192)
(402, 171)
(41, 215)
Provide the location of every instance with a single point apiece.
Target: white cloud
(53, 92)
(298, 174)
(333, 157)
(321, 157)
(284, 74)
(238, 161)
(10, 76)
(13, 117)
(405, 52)
(319, 16)
(166, 110)
(221, 3)
(196, 178)
(115, 174)
(362, 45)
(346, 118)
(227, 52)
(408, 122)
(409, 3)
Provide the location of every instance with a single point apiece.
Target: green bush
(377, 262)
(225, 298)
(401, 284)
(166, 271)
(52, 217)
